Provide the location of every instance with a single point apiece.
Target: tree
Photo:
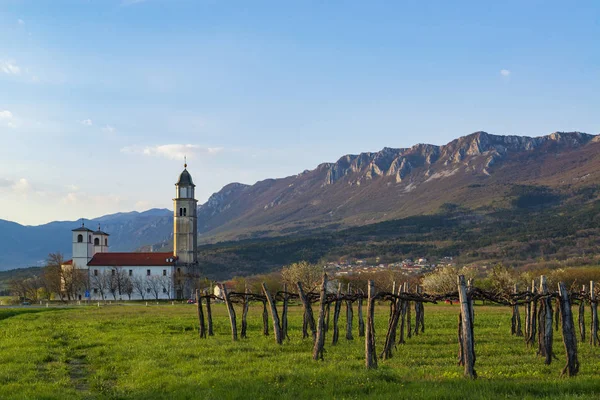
(113, 283)
(101, 283)
(443, 280)
(155, 284)
(310, 275)
(139, 285)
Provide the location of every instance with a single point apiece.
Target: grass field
(152, 352)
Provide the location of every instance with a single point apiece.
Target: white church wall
(147, 282)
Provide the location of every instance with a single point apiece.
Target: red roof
(131, 259)
(70, 262)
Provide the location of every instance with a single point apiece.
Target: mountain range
(479, 173)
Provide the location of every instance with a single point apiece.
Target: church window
(181, 212)
(106, 242)
(164, 290)
(79, 238)
(184, 212)
(148, 272)
(113, 271)
(95, 272)
(130, 272)
(164, 272)
(147, 290)
(178, 271)
(89, 238)
(96, 242)
(95, 290)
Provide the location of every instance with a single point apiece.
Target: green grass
(138, 352)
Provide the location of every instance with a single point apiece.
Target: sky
(101, 100)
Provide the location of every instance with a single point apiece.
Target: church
(101, 274)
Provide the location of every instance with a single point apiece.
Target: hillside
(475, 171)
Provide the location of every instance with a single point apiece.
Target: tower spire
(184, 161)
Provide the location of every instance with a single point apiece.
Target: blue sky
(99, 100)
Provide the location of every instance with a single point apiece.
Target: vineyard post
(245, 307)
(516, 319)
(202, 326)
(336, 315)
(545, 322)
(349, 316)
(265, 316)
(320, 340)
(370, 352)
(402, 306)
(594, 307)
(209, 314)
(408, 316)
(274, 315)
(581, 318)
(231, 312)
(467, 328)
(284, 312)
(532, 315)
(568, 331)
(308, 313)
(361, 320)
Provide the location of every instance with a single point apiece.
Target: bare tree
(309, 275)
(167, 284)
(101, 282)
(155, 284)
(139, 285)
(113, 283)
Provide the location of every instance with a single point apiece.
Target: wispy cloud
(505, 72)
(172, 151)
(86, 122)
(109, 129)
(5, 114)
(10, 67)
(20, 21)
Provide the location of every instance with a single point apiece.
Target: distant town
(409, 266)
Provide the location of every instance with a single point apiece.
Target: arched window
(184, 211)
(89, 238)
(106, 242)
(181, 212)
(96, 242)
(79, 238)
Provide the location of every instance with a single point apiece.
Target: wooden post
(557, 315)
(361, 320)
(370, 352)
(391, 333)
(594, 306)
(202, 326)
(421, 310)
(327, 314)
(209, 315)
(470, 283)
(532, 316)
(408, 314)
(466, 328)
(245, 306)
(320, 339)
(284, 319)
(308, 313)
(516, 317)
(581, 319)
(402, 305)
(336, 315)
(265, 316)
(231, 312)
(545, 323)
(568, 331)
(274, 315)
(349, 317)
(527, 316)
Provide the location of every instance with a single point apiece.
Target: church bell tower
(185, 222)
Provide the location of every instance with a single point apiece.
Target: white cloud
(11, 125)
(172, 151)
(10, 67)
(142, 205)
(21, 22)
(5, 182)
(86, 122)
(108, 129)
(5, 114)
(22, 186)
(504, 72)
